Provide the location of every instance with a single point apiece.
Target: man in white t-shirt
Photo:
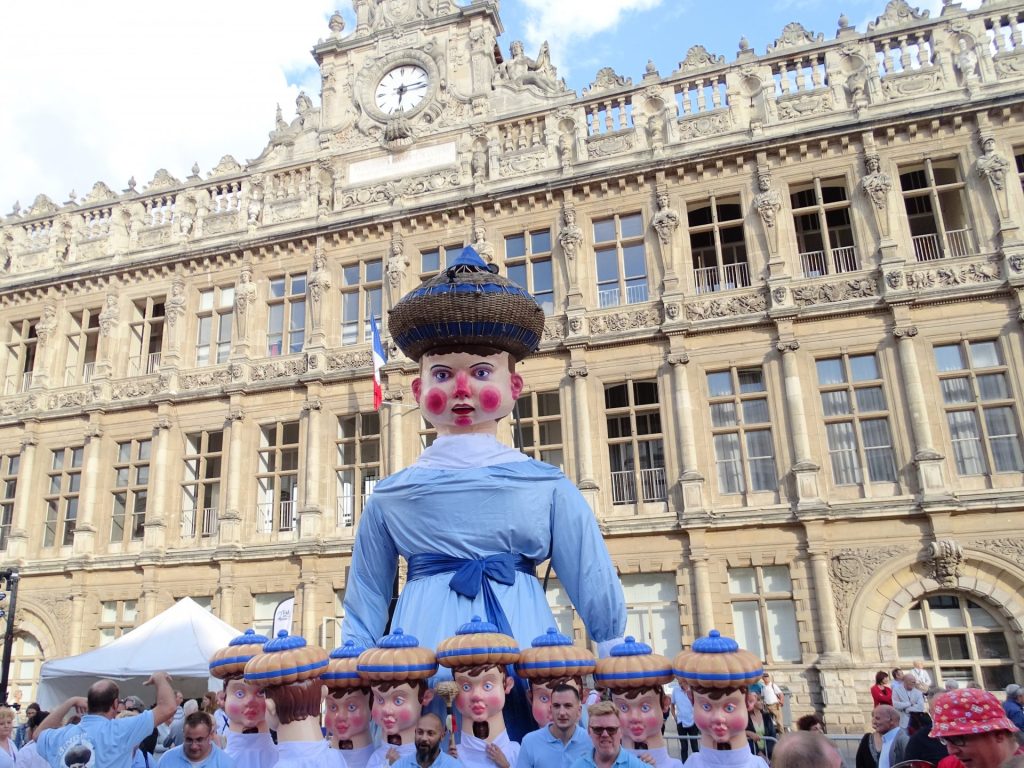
(773, 698)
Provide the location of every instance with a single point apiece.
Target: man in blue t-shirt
(562, 742)
(100, 740)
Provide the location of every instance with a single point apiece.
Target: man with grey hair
(885, 745)
(1012, 706)
(906, 698)
(806, 749)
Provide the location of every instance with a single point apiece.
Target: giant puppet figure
(472, 517)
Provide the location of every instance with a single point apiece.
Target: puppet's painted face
(396, 709)
(245, 705)
(641, 717)
(348, 715)
(462, 393)
(481, 696)
(540, 700)
(721, 719)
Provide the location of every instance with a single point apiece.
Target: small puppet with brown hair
(397, 671)
(478, 656)
(348, 710)
(636, 676)
(248, 739)
(716, 673)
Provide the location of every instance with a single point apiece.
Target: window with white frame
(528, 264)
(718, 248)
(434, 260)
(979, 405)
(741, 430)
(26, 664)
(361, 292)
(117, 618)
(9, 465)
(64, 484)
(330, 627)
(81, 344)
(764, 612)
(277, 481)
(959, 640)
(263, 609)
(539, 426)
(21, 356)
(621, 260)
(131, 491)
(636, 451)
(652, 610)
(214, 320)
(562, 609)
(824, 232)
(146, 336)
(933, 195)
(200, 488)
(286, 315)
(357, 464)
(856, 414)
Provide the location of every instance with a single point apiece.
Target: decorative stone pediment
(162, 180)
(99, 193)
(698, 57)
(348, 361)
(829, 293)
(607, 80)
(226, 167)
(748, 304)
(42, 205)
(951, 277)
(795, 35)
(618, 322)
(897, 13)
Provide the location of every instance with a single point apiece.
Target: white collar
(467, 452)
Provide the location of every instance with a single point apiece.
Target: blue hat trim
(457, 652)
(558, 664)
(312, 666)
(347, 675)
(718, 677)
(632, 648)
(284, 642)
(249, 637)
(715, 643)
(550, 639)
(369, 669)
(347, 651)
(613, 676)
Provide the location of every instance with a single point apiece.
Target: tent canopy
(179, 641)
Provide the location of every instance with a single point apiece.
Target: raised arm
(371, 580)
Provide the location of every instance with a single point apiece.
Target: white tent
(179, 641)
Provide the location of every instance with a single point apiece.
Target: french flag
(379, 359)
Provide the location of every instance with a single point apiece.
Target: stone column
(109, 337)
(827, 622)
(46, 332)
(17, 542)
(309, 628)
(174, 311)
(226, 592)
(84, 542)
(77, 615)
(310, 513)
(690, 479)
(395, 425)
(928, 460)
(229, 524)
(161, 472)
(704, 614)
(581, 415)
(805, 470)
(149, 592)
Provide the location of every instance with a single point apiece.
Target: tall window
(117, 617)
(63, 489)
(636, 452)
(652, 610)
(427, 434)
(856, 419)
(958, 640)
(824, 234)
(979, 407)
(82, 342)
(213, 332)
(764, 612)
(528, 263)
(200, 490)
(26, 663)
(263, 607)
(717, 245)
(131, 490)
(146, 336)
(436, 259)
(9, 465)
(741, 430)
(621, 260)
(21, 356)
(357, 466)
(1018, 156)
(933, 193)
(361, 291)
(539, 426)
(286, 315)
(278, 479)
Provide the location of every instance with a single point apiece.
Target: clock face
(401, 89)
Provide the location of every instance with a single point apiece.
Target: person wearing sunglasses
(974, 728)
(603, 727)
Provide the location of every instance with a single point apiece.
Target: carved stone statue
(47, 325)
(565, 150)
(175, 308)
(666, 220)
(947, 559)
(520, 70)
(255, 206)
(876, 185)
(768, 201)
(110, 315)
(245, 296)
(966, 62)
(319, 284)
(396, 264)
(479, 164)
(480, 244)
(187, 215)
(570, 237)
(993, 167)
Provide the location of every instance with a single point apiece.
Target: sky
(110, 89)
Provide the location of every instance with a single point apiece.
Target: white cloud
(105, 91)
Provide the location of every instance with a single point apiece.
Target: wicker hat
(477, 644)
(286, 659)
(967, 712)
(230, 661)
(632, 665)
(467, 304)
(398, 657)
(552, 655)
(341, 667)
(717, 662)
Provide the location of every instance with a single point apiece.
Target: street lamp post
(9, 579)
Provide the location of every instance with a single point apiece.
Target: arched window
(957, 639)
(26, 659)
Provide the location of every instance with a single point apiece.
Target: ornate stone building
(783, 358)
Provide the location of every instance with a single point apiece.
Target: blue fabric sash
(469, 576)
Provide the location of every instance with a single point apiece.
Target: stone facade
(757, 271)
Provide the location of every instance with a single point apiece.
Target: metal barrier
(846, 743)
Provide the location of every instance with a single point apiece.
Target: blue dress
(512, 505)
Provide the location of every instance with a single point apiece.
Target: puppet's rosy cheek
(436, 401)
(490, 398)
